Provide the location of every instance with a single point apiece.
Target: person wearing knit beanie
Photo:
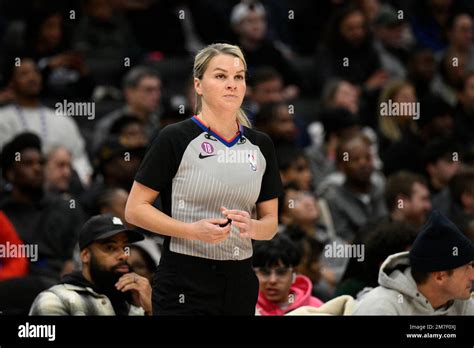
(440, 246)
(441, 260)
(433, 278)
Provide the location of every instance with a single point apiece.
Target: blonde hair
(201, 62)
(388, 126)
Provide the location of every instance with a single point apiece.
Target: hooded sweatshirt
(399, 295)
(301, 291)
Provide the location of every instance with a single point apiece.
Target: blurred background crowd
(318, 73)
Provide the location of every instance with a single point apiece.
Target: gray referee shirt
(197, 171)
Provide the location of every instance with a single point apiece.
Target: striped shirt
(197, 171)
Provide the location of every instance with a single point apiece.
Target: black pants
(187, 285)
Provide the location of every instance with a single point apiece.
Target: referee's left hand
(242, 220)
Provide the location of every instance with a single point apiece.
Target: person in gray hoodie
(434, 278)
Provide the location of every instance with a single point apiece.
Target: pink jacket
(301, 290)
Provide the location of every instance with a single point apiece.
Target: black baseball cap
(105, 226)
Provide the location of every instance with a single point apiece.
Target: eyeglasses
(280, 272)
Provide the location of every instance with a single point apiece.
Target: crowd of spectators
(321, 77)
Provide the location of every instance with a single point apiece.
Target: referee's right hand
(209, 231)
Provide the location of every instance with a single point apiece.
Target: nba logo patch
(253, 161)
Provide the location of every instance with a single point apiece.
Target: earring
(293, 278)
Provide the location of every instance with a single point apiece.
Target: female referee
(219, 184)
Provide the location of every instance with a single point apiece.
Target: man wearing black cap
(105, 286)
(434, 278)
